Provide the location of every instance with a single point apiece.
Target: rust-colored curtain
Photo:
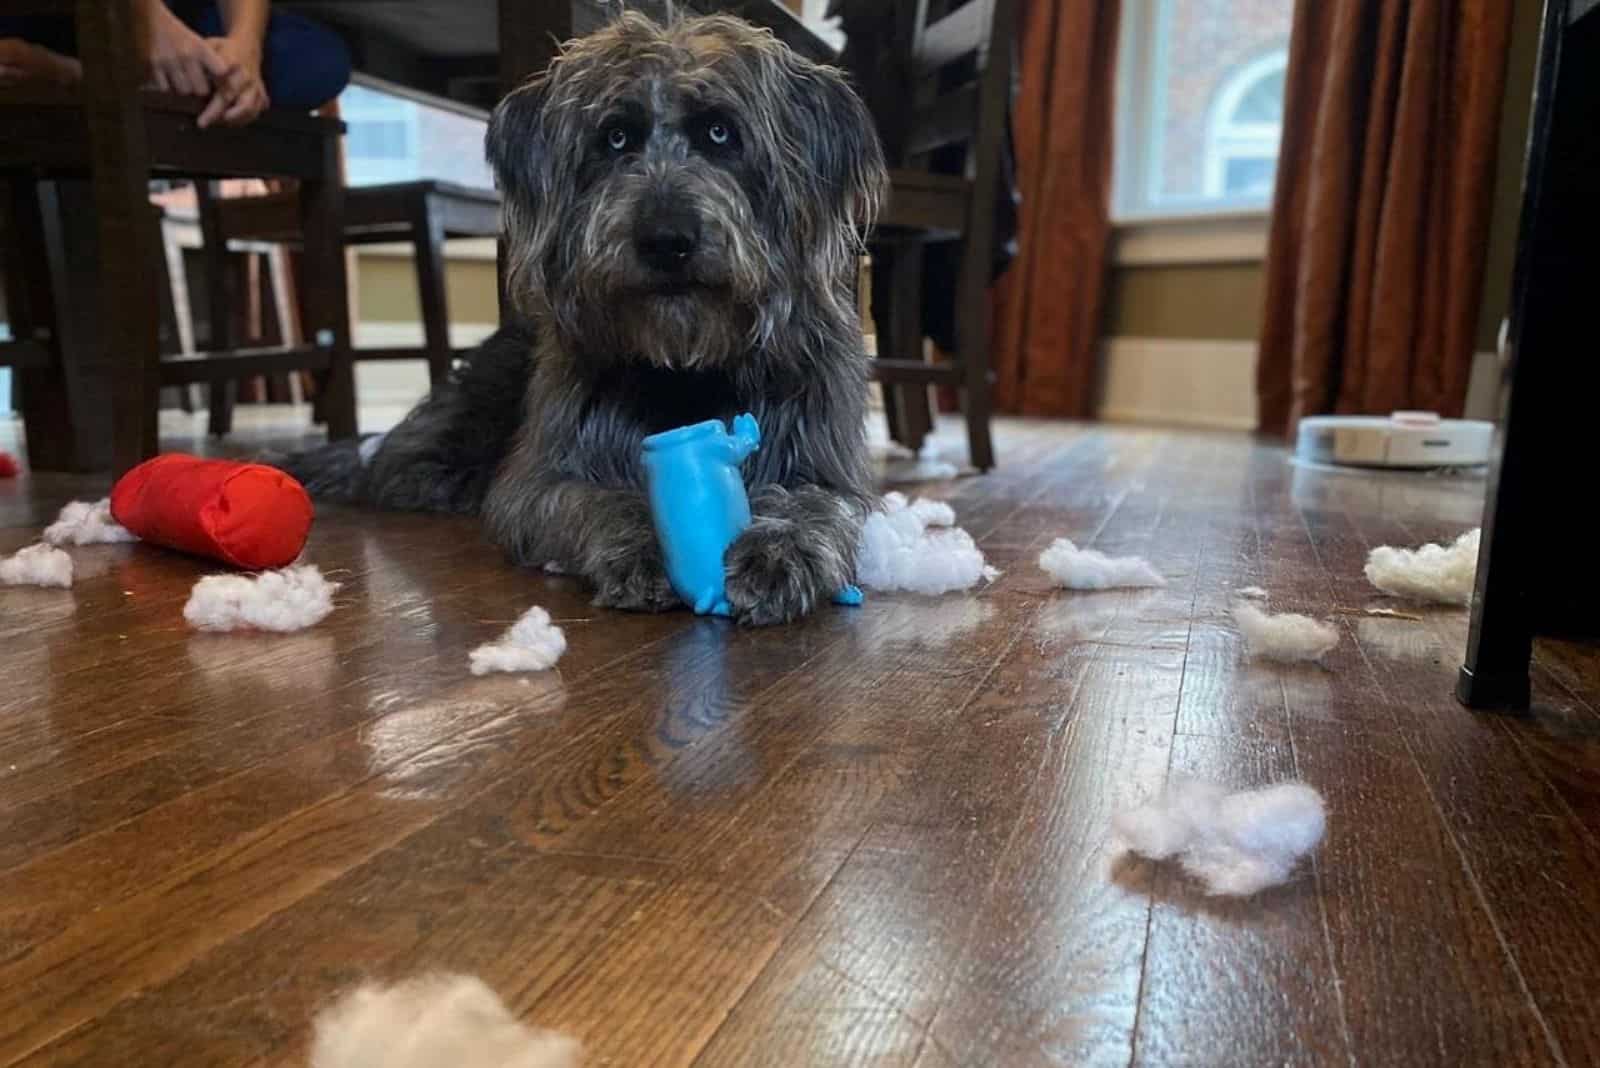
(1375, 261)
(1047, 307)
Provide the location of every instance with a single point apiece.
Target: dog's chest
(625, 407)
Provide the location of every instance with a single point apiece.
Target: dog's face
(674, 194)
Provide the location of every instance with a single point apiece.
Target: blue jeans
(304, 65)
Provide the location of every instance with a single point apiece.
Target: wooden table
(470, 52)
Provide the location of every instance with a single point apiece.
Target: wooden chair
(77, 163)
(422, 213)
(937, 110)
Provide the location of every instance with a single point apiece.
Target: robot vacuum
(1402, 440)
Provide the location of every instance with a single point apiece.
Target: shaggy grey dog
(684, 207)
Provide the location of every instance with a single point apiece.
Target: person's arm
(240, 94)
(179, 60)
(246, 19)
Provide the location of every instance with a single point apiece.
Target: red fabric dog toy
(248, 515)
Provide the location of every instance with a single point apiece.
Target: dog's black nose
(666, 241)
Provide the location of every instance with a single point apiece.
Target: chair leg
(913, 415)
(281, 287)
(326, 293)
(176, 287)
(220, 302)
(119, 169)
(972, 334)
(35, 282)
(427, 236)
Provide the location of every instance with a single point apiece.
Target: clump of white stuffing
(915, 546)
(1255, 593)
(1089, 569)
(1234, 843)
(532, 644)
(87, 523)
(1431, 573)
(433, 1021)
(36, 565)
(1287, 637)
(291, 599)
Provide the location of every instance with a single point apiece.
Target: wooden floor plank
(1512, 826)
(1384, 785)
(881, 836)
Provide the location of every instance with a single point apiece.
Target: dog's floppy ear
(519, 148)
(514, 142)
(843, 141)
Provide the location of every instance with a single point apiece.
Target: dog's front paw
(636, 583)
(774, 575)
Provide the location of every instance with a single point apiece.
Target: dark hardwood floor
(878, 837)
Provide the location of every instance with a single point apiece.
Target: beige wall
(387, 290)
(1223, 301)
(1200, 301)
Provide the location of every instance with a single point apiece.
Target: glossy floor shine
(879, 837)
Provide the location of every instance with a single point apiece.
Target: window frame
(1140, 111)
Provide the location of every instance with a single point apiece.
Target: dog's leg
(603, 535)
(799, 550)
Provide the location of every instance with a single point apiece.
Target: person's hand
(180, 60)
(240, 95)
(22, 62)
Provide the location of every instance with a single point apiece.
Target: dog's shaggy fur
(684, 207)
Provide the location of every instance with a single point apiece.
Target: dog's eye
(714, 135)
(617, 138)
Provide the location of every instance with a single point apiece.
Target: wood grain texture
(880, 836)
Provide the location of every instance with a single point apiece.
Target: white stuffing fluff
(899, 551)
(434, 1021)
(86, 523)
(1090, 569)
(1287, 637)
(532, 644)
(1255, 593)
(1234, 843)
(1431, 573)
(291, 599)
(37, 565)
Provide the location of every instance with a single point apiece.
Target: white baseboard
(402, 383)
(1175, 382)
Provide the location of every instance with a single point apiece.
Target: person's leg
(304, 65)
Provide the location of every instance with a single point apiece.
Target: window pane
(1214, 102)
(391, 139)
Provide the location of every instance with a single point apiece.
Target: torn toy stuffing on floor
(1287, 637)
(1234, 843)
(532, 644)
(87, 523)
(1443, 574)
(913, 546)
(36, 565)
(291, 599)
(434, 1021)
(1089, 569)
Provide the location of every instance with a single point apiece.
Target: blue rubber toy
(698, 501)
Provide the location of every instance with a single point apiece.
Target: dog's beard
(687, 328)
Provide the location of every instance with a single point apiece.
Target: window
(392, 139)
(1199, 105)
